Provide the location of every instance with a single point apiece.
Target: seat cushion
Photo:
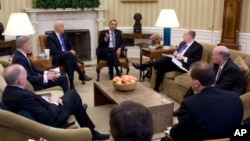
(183, 80)
(172, 74)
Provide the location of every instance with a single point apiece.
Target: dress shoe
(81, 77)
(111, 77)
(85, 106)
(176, 112)
(99, 136)
(141, 67)
(86, 78)
(118, 73)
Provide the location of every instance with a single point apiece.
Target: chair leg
(121, 68)
(98, 74)
(128, 70)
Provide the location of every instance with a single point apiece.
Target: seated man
(211, 112)
(189, 51)
(53, 111)
(63, 53)
(110, 45)
(131, 121)
(38, 78)
(228, 74)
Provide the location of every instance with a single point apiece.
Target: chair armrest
(25, 128)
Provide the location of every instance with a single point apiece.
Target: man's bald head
(220, 55)
(13, 72)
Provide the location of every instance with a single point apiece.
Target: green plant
(46, 4)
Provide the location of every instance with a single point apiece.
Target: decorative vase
(156, 42)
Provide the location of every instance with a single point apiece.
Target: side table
(154, 54)
(41, 63)
(8, 44)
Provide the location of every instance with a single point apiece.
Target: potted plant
(46, 4)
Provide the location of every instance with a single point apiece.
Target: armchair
(15, 127)
(123, 59)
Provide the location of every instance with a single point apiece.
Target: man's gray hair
(225, 55)
(21, 41)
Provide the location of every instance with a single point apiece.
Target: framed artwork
(139, 0)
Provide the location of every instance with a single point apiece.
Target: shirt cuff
(185, 59)
(56, 103)
(45, 77)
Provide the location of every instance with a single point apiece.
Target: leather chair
(43, 40)
(123, 59)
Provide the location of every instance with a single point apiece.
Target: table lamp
(167, 19)
(19, 24)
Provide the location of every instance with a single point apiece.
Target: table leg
(140, 64)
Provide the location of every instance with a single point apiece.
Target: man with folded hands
(52, 112)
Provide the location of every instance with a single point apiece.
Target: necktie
(182, 48)
(218, 74)
(63, 43)
(113, 39)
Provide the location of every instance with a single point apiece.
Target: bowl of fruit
(124, 83)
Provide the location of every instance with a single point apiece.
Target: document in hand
(175, 61)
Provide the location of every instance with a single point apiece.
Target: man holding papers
(188, 52)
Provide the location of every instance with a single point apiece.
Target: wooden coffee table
(162, 112)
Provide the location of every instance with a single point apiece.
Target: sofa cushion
(172, 74)
(1, 69)
(242, 65)
(183, 80)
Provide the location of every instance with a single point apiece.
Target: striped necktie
(182, 48)
(63, 43)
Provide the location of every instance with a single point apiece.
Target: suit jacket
(55, 47)
(208, 115)
(193, 53)
(34, 74)
(230, 78)
(105, 44)
(21, 99)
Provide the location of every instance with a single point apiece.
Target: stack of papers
(176, 61)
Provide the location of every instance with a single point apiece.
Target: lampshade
(167, 18)
(19, 24)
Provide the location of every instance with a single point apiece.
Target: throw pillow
(242, 65)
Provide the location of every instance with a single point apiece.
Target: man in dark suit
(189, 51)
(62, 50)
(210, 113)
(228, 74)
(53, 111)
(38, 78)
(110, 46)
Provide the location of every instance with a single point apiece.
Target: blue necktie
(182, 48)
(63, 44)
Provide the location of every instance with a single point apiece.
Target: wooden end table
(44, 64)
(8, 44)
(104, 93)
(153, 55)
